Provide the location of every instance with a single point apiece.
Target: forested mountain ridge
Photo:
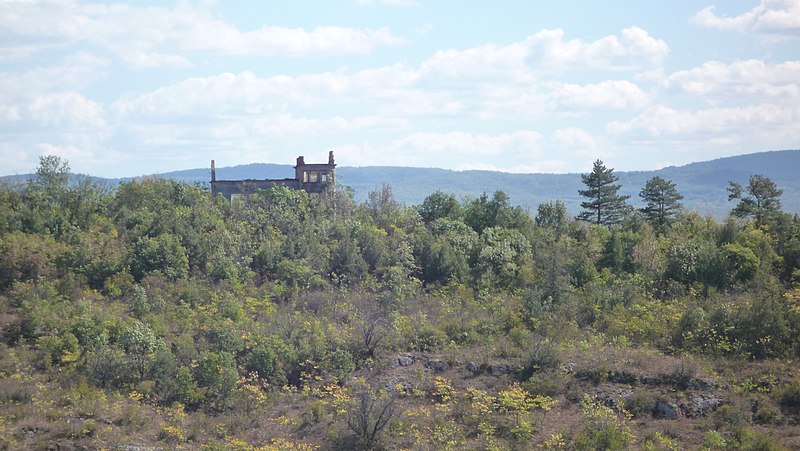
(149, 315)
(702, 184)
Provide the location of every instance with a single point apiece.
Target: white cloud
(714, 122)
(750, 78)
(67, 110)
(69, 152)
(16, 159)
(458, 150)
(9, 113)
(606, 95)
(151, 60)
(774, 18)
(287, 124)
(139, 35)
(74, 73)
(574, 139)
(486, 81)
(462, 143)
(634, 49)
(481, 62)
(577, 144)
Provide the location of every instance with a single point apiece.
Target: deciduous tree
(439, 205)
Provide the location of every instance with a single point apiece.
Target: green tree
(383, 207)
(217, 374)
(271, 359)
(46, 195)
(605, 205)
(163, 253)
(483, 213)
(439, 205)
(438, 260)
(552, 215)
(662, 202)
(52, 175)
(760, 199)
(140, 344)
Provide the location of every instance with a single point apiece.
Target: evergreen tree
(759, 200)
(605, 205)
(662, 199)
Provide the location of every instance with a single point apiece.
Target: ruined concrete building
(311, 178)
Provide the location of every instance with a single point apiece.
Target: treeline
(156, 288)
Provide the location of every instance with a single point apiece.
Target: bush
(340, 365)
(547, 383)
(641, 404)
(370, 412)
(542, 356)
(216, 372)
(107, 367)
(751, 440)
(271, 359)
(602, 428)
(58, 349)
(429, 338)
(789, 397)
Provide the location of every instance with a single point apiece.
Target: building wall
(312, 178)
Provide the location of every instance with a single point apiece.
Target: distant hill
(702, 184)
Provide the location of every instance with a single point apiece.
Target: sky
(126, 89)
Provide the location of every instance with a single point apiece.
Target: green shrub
(641, 404)
(217, 374)
(714, 440)
(751, 440)
(660, 442)
(429, 338)
(58, 349)
(547, 383)
(340, 365)
(271, 359)
(789, 397)
(602, 428)
(107, 367)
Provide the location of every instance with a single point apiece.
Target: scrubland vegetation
(153, 316)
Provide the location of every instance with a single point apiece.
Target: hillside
(153, 316)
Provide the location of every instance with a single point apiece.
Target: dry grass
(37, 413)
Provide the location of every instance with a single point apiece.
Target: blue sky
(125, 89)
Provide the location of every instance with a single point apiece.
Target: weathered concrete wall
(312, 178)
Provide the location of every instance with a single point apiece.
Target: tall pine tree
(605, 205)
(760, 199)
(662, 199)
